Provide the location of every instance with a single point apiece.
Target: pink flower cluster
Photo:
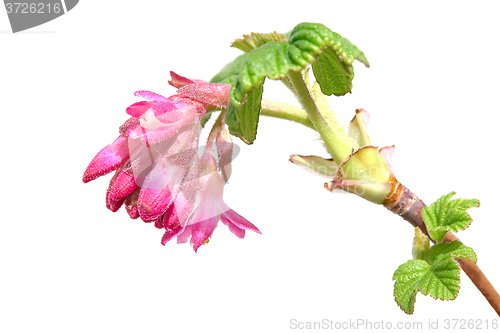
(160, 176)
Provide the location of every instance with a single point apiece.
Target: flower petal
(177, 213)
(130, 122)
(162, 107)
(159, 189)
(183, 237)
(238, 220)
(153, 203)
(149, 95)
(154, 129)
(178, 81)
(208, 93)
(201, 231)
(172, 224)
(123, 185)
(108, 159)
(240, 233)
(159, 223)
(209, 198)
(224, 145)
(112, 204)
(138, 109)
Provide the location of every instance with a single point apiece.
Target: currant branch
(355, 166)
(162, 177)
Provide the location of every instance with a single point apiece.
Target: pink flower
(197, 215)
(159, 176)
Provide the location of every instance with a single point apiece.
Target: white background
(70, 265)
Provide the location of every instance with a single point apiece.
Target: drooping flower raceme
(159, 176)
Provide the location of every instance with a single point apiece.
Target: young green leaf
(441, 279)
(255, 40)
(408, 277)
(229, 72)
(243, 120)
(455, 249)
(421, 246)
(333, 75)
(446, 214)
(275, 59)
(357, 53)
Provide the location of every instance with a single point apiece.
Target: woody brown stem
(406, 204)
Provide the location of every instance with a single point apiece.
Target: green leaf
(242, 120)
(407, 278)
(440, 280)
(455, 249)
(268, 58)
(421, 246)
(446, 214)
(255, 40)
(333, 75)
(357, 53)
(229, 72)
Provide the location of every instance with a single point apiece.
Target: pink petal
(128, 124)
(173, 227)
(156, 129)
(138, 109)
(240, 233)
(208, 93)
(201, 231)
(178, 81)
(205, 208)
(132, 211)
(112, 204)
(225, 153)
(153, 136)
(153, 203)
(209, 197)
(170, 234)
(149, 95)
(123, 185)
(159, 189)
(239, 221)
(160, 108)
(177, 213)
(183, 237)
(159, 223)
(108, 159)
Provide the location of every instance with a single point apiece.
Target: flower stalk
(285, 111)
(339, 146)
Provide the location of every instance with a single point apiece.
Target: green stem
(285, 111)
(278, 110)
(337, 143)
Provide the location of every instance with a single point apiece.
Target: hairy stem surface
(285, 111)
(334, 142)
